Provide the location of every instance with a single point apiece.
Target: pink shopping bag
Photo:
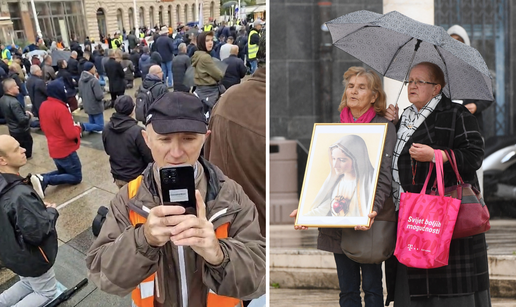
(425, 224)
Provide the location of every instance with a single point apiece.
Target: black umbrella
(67, 294)
(391, 43)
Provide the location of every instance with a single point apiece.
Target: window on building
(63, 19)
(14, 11)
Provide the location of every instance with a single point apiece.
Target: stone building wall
(111, 8)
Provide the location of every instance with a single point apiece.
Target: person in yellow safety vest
(208, 27)
(116, 42)
(252, 44)
(214, 257)
(6, 54)
(142, 35)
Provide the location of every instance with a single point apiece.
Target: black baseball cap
(177, 112)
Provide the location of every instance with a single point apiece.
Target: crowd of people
(173, 130)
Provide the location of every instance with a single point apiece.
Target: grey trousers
(31, 291)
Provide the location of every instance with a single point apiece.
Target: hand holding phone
(178, 187)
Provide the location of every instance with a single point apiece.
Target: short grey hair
(34, 69)
(182, 47)
(74, 53)
(7, 84)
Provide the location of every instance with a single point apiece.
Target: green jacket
(206, 72)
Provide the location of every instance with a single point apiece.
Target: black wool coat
(116, 75)
(450, 126)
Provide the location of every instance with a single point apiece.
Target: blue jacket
(165, 47)
(144, 64)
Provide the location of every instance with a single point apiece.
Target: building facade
(81, 18)
(108, 16)
(306, 76)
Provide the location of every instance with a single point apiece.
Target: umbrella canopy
(190, 72)
(60, 55)
(229, 4)
(387, 43)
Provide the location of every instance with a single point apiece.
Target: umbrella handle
(418, 43)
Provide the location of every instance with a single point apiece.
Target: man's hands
(166, 223)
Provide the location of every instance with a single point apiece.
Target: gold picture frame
(341, 175)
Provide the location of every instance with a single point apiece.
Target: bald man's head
(12, 155)
(234, 50)
(155, 70)
(36, 70)
(10, 87)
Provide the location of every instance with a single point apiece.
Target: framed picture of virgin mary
(341, 175)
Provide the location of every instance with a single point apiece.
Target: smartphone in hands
(178, 187)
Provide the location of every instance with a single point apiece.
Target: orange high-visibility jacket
(143, 295)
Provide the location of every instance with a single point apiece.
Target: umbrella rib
(347, 35)
(445, 67)
(395, 55)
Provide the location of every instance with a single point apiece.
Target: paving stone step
(315, 269)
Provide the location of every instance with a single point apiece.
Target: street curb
(315, 269)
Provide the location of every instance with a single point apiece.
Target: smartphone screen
(178, 187)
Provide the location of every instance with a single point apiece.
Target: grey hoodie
(91, 93)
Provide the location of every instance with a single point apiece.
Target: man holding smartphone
(164, 256)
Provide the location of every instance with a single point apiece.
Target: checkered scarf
(409, 122)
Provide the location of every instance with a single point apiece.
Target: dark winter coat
(68, 81)
(165, 47)
(144, 65)
(190, 50)
(128, 67)
(16, 118)
(73, 67)
(450, 126)
(116, 75)
(132, 40)
(27, 228)
(99, 66)
(235, 71)
(159, 89)
(37, 92)
(180, 64)
(481, 106)
(135, 58)
(124, 143)
(156, 58)
(91, 93)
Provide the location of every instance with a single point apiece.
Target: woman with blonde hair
(350, 179)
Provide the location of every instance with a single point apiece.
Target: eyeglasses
(418, 82)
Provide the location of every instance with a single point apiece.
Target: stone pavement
(307, 276)
(77, 207)
(330, 298)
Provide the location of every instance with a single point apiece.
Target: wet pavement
(77, 207)
(330, 298)
(307, 277)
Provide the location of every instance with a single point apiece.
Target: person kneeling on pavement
(92, 99)
(63, 138)
(164, 256)
(28, 236)
(123, 142)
